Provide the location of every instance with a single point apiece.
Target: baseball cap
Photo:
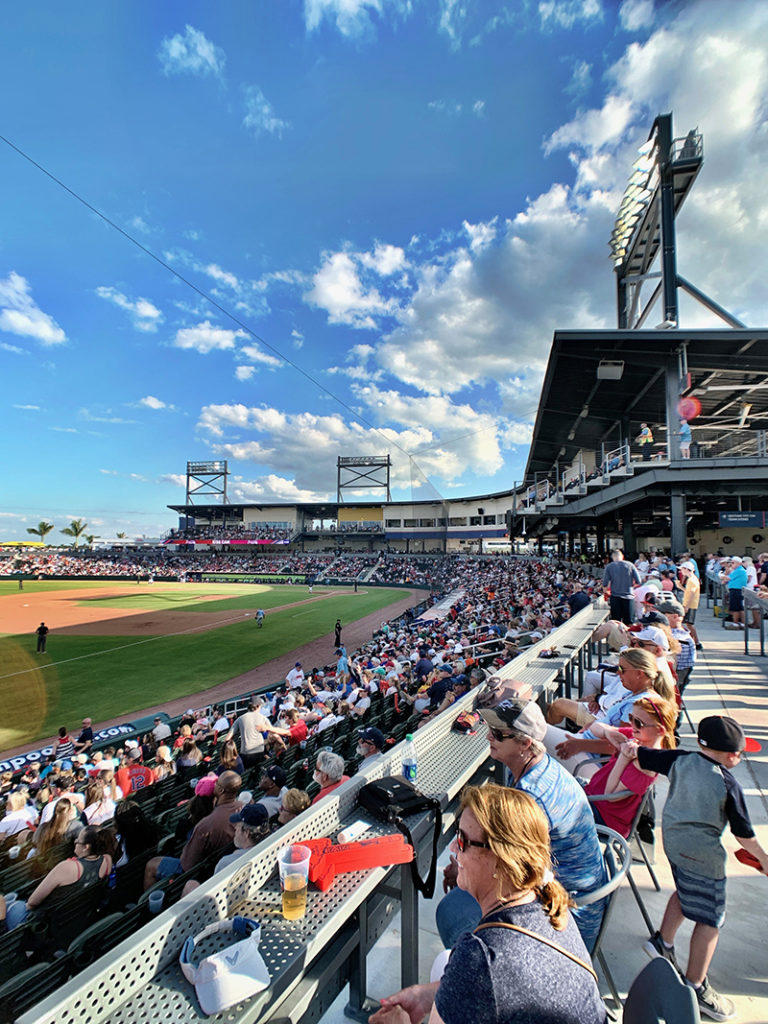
(135, 753)
(131, 744)
(206, 786)
(734, 558)
(276, 774)
(232, 975)
(374, 736)
(718, 732)
(655, 635)
(81, 758)
(671, 608)
(524, 716)
(446, 668)
(649, 599)
(253, 815)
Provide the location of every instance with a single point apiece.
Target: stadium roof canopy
(578, 410)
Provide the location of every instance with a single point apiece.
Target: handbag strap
(539, 938)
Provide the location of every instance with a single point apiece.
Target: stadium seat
(104, 935)
(30, 986)
(13, 957)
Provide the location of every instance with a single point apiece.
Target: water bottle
(410, 762)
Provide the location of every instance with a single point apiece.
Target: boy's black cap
(718, 732)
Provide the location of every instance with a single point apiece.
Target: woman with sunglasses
(525, 960)
(651, 724)
(640, 674)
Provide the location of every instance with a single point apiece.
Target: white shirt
(161, 732)
(295, 678)
(273, 803)
(16, 821)
(77, 799)
(362, 705)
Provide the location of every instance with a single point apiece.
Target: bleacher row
(37, 957)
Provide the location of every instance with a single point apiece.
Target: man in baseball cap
(370, 743)
(272, 784)
(516, 729)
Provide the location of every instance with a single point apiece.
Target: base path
(316, 653)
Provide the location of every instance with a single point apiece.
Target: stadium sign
(742, 519)
(12, 764)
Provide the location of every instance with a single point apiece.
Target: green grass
(192, 598)
(115, 676)
(39, 586)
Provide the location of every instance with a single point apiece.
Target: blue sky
(397, 201)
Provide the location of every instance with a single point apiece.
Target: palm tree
(41, 529)
(121, 536)
(75, 529)
(90, 538)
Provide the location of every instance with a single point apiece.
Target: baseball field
(119, 647)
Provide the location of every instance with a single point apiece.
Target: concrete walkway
(725, 681)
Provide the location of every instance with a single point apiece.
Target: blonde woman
(640, 674)
(99, 805)
(525, 961)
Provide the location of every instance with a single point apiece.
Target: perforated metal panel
(140, 981)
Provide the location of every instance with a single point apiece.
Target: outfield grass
(109, 677)
(193, 598)
(39, 586)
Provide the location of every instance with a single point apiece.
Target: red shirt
(329, 789)
(618, 814)
(298, 732)
(134, 777)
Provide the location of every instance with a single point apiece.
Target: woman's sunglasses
(640, 724)
(498, 735)
(462, 842)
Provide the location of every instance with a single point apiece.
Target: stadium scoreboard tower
(207, 479)
(356, 471)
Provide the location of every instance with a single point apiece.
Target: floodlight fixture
(745, 410)
(610, 369)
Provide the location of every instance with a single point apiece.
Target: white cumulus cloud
(636, 14)
(20, 314)
(144, 314)
(204, 337)
(190, 52)
(565, 13)
(348, 284)
(150, 402)
(352, 18)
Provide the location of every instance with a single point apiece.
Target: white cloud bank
(470, 315)
(20, 314)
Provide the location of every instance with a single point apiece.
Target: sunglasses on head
(462, 842)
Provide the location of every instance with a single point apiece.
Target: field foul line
(122, 647)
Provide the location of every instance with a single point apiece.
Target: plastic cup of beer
(293, 862)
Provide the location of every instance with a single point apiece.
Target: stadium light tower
(662, 176)
(207, 479)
